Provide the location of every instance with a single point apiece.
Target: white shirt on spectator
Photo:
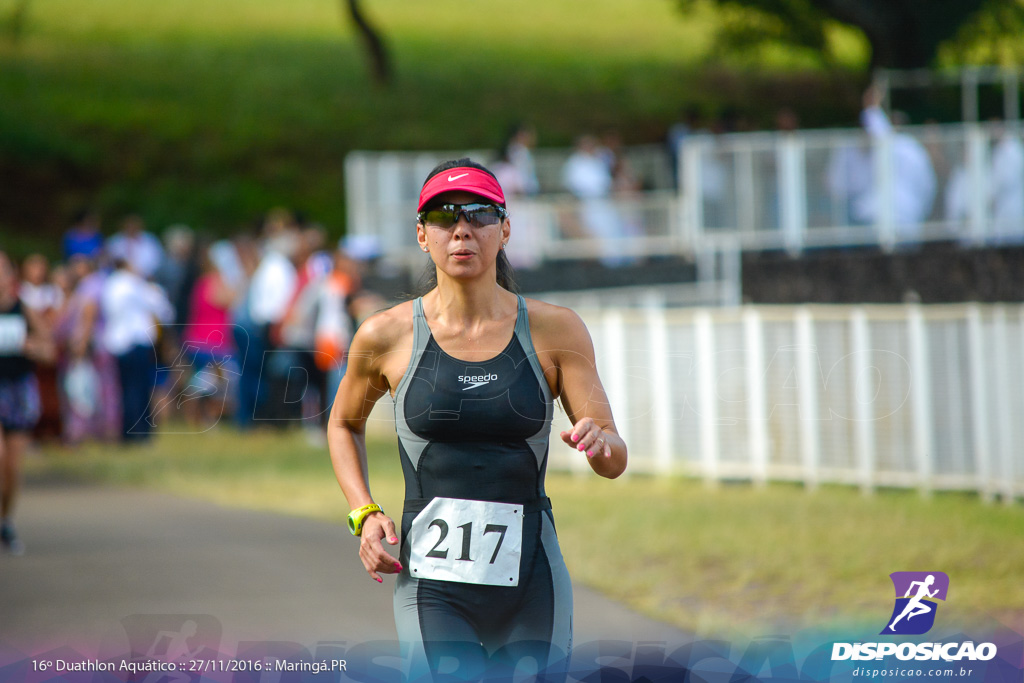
(587, 176)
(131, 308)
(849, 179)
(42, 297)
(521, 157)
(272, 287)
(956, 195)
(142, 251)
(913, 177)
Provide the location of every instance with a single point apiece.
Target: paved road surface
(103, 562)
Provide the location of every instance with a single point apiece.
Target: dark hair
(506, 275)
(82, 213)
(510, 134)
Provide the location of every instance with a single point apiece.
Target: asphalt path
(110, 568)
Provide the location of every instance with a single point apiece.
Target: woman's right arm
(364, 382)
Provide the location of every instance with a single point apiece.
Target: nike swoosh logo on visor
(454, 178)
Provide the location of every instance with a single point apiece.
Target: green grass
(213, 112)
(781, 556)
(731, 559)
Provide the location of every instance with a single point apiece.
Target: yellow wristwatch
(356, 517)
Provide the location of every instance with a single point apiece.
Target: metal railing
(843, 188)
(755, 191)
(911, 396)
(902, 396)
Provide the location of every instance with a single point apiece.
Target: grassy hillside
(212, 112)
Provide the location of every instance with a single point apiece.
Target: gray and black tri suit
(479, 431)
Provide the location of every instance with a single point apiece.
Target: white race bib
(468, 541)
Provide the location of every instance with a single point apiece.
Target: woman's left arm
(584, 399)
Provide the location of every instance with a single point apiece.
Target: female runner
(23, 339)
(474, 370)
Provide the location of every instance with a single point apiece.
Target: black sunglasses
(447, 215)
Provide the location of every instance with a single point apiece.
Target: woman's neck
(458, 304)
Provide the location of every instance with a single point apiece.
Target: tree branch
(380, 62)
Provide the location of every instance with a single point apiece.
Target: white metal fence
(926, 397)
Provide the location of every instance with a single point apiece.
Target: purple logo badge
(916, 593)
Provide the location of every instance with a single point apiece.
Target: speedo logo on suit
(474, 381)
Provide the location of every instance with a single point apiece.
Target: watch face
(356, 517)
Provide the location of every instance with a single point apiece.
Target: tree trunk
(15, 24)
(380, 62)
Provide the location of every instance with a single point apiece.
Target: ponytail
(506, 274)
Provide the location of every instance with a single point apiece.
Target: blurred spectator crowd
(596, 174)
(131, 331)
(889, 183)
(891, 173)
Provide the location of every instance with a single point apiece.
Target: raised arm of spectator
(873, 117)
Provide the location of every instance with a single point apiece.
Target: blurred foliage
(750, 24)
(13, 20)
(211, 113)
(992, 37)
(901, 34)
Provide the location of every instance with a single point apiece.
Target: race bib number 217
(468, 541)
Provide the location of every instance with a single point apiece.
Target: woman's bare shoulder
(552, 325)
(548, 314)
(386, 329)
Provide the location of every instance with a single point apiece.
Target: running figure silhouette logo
(916, 593)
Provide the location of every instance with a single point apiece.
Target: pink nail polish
(575, 438)
(580, 447)
(379, 580)
(590, 454)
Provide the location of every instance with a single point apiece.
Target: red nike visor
(465, 179)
